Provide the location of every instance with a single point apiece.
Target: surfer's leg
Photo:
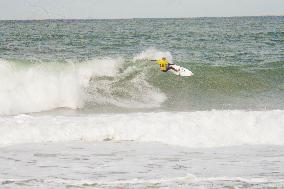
(169, 67)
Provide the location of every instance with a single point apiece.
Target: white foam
(40, 87)
(187, 179)
(190, 129)
(153, 54)
(133, 93)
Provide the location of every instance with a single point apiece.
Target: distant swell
(190, 129)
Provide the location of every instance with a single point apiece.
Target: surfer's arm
(156, 61)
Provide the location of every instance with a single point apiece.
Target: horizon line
(192, 17)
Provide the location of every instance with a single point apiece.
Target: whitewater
(82, 87)
(188, 129)
(49, 85)
(82, 105)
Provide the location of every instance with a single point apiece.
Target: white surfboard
(181, 71)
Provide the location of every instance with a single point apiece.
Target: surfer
(165, 65)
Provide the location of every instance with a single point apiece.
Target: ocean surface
(82, 105)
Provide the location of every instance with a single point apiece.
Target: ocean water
(82, 105)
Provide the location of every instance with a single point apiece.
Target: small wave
(188, 180)
(189, 129)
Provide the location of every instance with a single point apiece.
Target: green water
(238, 62)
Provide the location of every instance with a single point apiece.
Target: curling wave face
(117, 84)
(27, 87)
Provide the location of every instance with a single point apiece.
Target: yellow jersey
(163, 64)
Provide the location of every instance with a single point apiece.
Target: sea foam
(26, 87)
(190, 129)
(45, 86)
(153, 54)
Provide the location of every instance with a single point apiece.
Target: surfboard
(181, 71)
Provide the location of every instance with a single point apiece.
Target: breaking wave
(189, 129)
(115, 84)
(28, 87)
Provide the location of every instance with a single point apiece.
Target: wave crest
(26, 87)
(189, 129)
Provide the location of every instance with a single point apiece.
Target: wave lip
(26, 88)
(189, 129)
